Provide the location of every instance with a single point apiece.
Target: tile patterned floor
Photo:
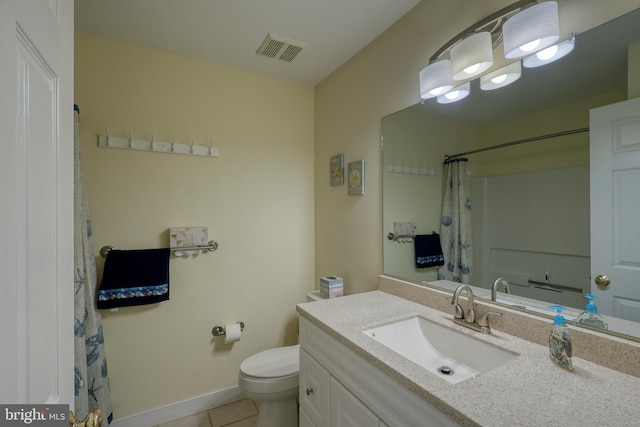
(242, 413)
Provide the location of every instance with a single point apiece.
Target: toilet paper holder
(219, 330)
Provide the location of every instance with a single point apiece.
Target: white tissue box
(331, 287)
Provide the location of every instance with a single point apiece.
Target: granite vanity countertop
(529, 390)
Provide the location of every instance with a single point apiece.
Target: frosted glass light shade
(501, 77)
(435, 79)
(531, 30)
(471, 56)
(455, 94)
(550, 54)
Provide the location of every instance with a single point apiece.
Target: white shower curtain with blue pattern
(455, 224)
(91, 379)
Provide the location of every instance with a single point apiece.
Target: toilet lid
(275, 362)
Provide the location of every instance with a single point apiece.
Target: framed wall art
(336, 170)
(356, 178)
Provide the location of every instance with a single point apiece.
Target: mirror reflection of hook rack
(412, 170)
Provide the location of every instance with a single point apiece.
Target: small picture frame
(336, 170)
(355, 176)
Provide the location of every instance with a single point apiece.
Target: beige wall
(380, 80)
(256, 199)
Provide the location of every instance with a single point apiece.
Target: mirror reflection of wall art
(336, 170)
(356, 178)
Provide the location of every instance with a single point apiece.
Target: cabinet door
(347, 410)
(305, 421)
(314, 390)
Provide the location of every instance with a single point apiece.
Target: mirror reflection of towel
(428, 251)
(136, 277)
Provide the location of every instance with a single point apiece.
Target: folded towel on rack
(428, 251)
(136, 277)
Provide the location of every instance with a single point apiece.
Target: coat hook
(108, 138)
(151, 145)
(211, 148)
(191, 147)
(130, 140)
(173, 144)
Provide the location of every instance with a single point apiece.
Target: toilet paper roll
(232, 333)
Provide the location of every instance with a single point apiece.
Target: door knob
(94, 419)
(602, 280)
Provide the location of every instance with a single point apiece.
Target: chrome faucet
(494, 289)
(470, 315)
(468, 319)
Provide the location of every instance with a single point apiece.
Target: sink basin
(442, 351)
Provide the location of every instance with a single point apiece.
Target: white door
(615, 208)
(36, 199)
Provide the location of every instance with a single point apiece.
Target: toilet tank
(314, 296)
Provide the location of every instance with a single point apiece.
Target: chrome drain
(445, 370)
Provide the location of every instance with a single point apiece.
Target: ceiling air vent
(280, 48)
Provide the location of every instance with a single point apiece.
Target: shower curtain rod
(520, 141)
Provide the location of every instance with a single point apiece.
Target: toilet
(270, 378)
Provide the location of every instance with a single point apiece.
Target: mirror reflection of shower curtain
(90, 366)
(455, 223)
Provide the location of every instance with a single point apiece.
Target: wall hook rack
(131, 143)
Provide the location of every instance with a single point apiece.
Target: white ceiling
(230, 32)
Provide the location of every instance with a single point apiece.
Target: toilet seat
(281, 362)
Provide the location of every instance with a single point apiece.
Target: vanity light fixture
(435, 79)
(472, 56)
(501, 77)
(550, 54)
(523, 28)
(455, 94)
(530, 30)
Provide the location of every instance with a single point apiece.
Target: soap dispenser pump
(560, 348)
(590, 316)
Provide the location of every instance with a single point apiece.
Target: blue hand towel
(428, 251)
(136, 277)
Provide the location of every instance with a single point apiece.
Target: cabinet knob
(309, 391)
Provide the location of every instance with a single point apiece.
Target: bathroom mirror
(535, 192)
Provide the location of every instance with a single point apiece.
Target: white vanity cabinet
(348, 411)
(338, 388)
(325, 402)
(315, 391)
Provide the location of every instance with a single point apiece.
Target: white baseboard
(180, 409)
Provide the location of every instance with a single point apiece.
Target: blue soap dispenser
(590, 316)
(560, 348)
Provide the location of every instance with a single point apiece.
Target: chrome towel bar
(211, 246)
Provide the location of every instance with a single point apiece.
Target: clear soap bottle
(590, 316)
(560, 348)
